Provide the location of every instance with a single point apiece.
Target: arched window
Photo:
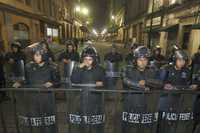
(21, 31)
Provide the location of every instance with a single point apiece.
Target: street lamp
(103, 31)
(112, 17)
(78, 8)
(85, 11)
(95, 32)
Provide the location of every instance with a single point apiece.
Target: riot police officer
(39, 115)
(89, 71)
(89, 75)
(112, 62)
(157, 58)
(70, 54)
(38, 72)
(48, 54)
(130, 57)
(16, 60)
(69, 58)
(138, 77)
(178, 76)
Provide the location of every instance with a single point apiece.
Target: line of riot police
(141, 72)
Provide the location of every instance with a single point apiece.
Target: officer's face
(15, 49)
(88, 61)
(142, 63)
(37, 58)
(180, 63)
(70, 48)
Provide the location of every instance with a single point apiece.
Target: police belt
(113, 74)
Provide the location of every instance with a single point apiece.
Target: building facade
(165, 23)
(116, 23)
(135, 14)
(32, 20)
(177, 24)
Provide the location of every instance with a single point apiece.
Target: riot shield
(176, 112)
(140, 112)
(112, 74)
(68, 69)
(35, 111)
(16, 71)
(85, 111)
(112, 69)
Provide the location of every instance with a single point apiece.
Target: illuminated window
(157, 4)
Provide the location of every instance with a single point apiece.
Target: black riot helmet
(180, 54)
(90, 52)
(16, 45)
(38, 48)
(142, 52)
(70, 43)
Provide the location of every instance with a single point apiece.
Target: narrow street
(99, 66)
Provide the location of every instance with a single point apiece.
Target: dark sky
(99, 10)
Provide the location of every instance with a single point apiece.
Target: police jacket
(16, 56)
(178, 78)
(88, 76)
(131, 77)
(37, 75)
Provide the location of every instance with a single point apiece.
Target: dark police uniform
(132, 76)
(139, 104)
(91, 106)
(36, 111)
(37, 75)
(129, 59)
(178, 78)
(173, 104)
(85, 76)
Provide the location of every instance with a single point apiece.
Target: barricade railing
(85, 109)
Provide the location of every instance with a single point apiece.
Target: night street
(99, 66)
